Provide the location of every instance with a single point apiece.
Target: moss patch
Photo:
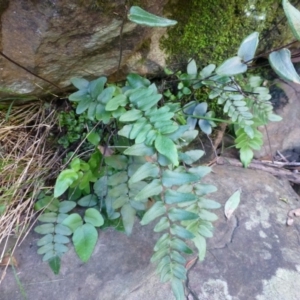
(212, 31)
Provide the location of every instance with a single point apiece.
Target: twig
(20, 66)
(257, 165)
(283, 157)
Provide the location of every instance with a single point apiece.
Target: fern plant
(243, 99)
(154, 171)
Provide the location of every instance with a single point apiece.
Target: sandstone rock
(58, 40)
(284, 135)
(254, 255)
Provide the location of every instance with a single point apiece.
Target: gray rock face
(254, 255)
(284, 135)
(58, 40)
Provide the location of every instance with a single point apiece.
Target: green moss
(212, 31)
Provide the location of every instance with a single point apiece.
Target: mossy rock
(211, 31)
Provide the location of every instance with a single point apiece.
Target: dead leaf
(9, 260)
(232, 203)
(191, 263)
(106, 151)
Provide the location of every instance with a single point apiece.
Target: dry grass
(27, 160)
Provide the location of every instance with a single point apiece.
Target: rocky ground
(254, 255)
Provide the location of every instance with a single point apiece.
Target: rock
(254, 255)
(58, 40)
(255, 251)
(284, 135)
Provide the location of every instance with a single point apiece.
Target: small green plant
(74, 127)
(152, 166)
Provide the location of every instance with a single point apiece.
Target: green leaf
(83, 105)
(61, 239)
(79, 96)
(106, 95)
(293, 16)
(101, 114)
(232, 203)
(75, 164)
(137, 127)
(204, 189)
(205, 126)
(47, 239)
(118, 162)
(114, 103)
(178, 288)
(181, 232)
(61, 217)
(191, 156)
(156, 210)
(159, 254)
(281, 63)
(192, 68)
(140, 150)
(200, 171)
(274, 118)
(120, 201)
(131, 115)
(94, 138)
(141, 136)
(125, 131)
(179, 271)
(60, 248)
(136, 81)
(146, 170)
(63, 181)
(246, 155)
(205, 231)
(73, 221)
(152, 189)
(170, 178)
(62, 229)
(162, 224)
(172, 197)
(97, 86)
(232, 66)
(207, 71)
(148, 102)
(49, 217)
(165, 262)
(180, 246)
(207, 215)
(117, 178)
(66, 206)
(45, 202)
(80, 83)
(51, 253)
(45, 228)
(84, 239)
(128, 217)
(54, 264)
(93, 217)
(209, 204)
(163, 242)
(88, 201)
(142, 17)
(45, 248)
(178, 257)
(200, 243)
(176, 214)
(248, 47)
(166, 147)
